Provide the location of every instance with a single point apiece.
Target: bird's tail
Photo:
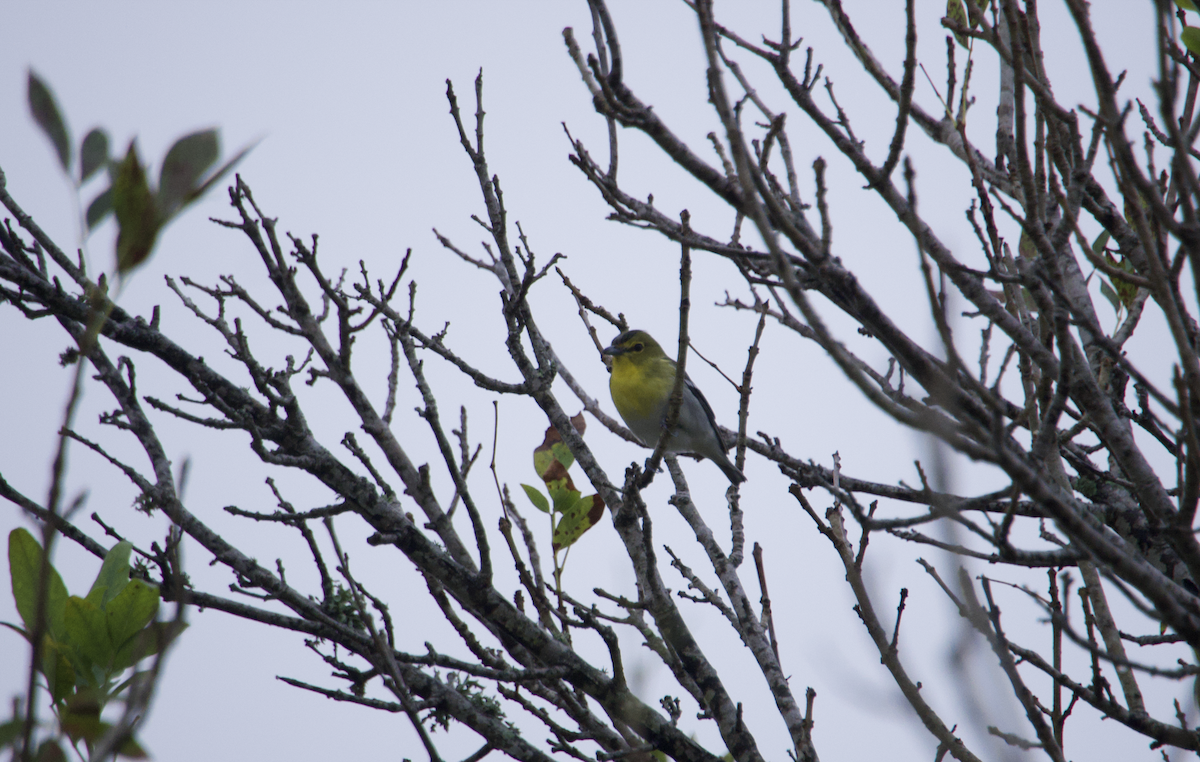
(731, 471)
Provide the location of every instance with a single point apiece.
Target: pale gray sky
(358, 147)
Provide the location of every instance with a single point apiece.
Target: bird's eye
(638, 347)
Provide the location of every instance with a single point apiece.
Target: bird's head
(635, 347)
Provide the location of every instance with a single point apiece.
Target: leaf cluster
(141, 210)
(87, 642)
(571, 512)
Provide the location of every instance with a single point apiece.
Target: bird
(641, 383)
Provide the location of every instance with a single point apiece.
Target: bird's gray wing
(708, 411)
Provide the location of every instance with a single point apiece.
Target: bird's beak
(613, 351)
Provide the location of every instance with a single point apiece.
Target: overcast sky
(348, 100)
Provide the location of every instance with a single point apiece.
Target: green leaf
(137, 215)
(93, 154)
(576, 520)
(58, 669)
(45, 112)
(220, 173)
(552, 457)
(50, 751)
(87, 632)
(95, 596)
(1028, 300)
(149, 642)
(185, 164)
(25, 568)
(1100, 242)
(127, 615)
(100, 208)
(543, 459)
(983, 6)
(81, 720)
(10, 731)
(1190, 37)
(562, 454)
(114, 572)
(1026, 248)
(129, 747)
(1108, 293)
(537, 498)
(957, 12)
(563, 494)
(1186, 5)
(1126, 291)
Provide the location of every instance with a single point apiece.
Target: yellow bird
(642, 380)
